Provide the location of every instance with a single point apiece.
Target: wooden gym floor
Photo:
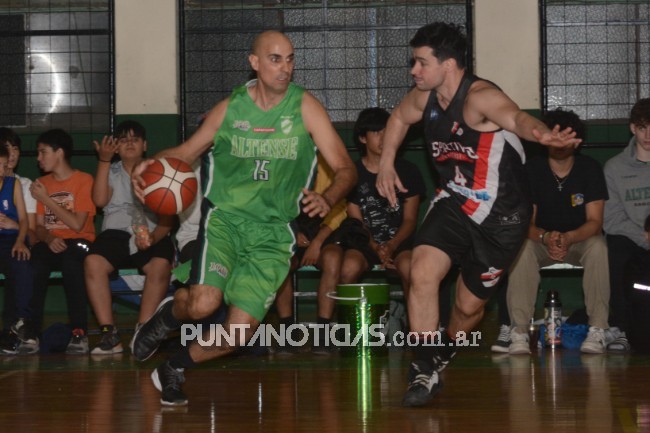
(561, 391)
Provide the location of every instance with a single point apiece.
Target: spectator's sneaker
(424, 383)
(595, 341)
(148, 337)
(168, 381)
(9, 343)
(502, 345)
(519, 343)
(78, 344)
(28, 348)
(25, 332)
(109, 343)
(620, 344)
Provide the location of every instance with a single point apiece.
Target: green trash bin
(362, 312)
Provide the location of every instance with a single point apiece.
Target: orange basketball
(171, 186)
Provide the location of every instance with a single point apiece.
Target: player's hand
(137, 182)
(388, 185)
(38, 191)
(107, 148)
(557, 138)
(314, 204)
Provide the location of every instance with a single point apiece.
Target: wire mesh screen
(597, 56)
(349, 54)
(56, 64)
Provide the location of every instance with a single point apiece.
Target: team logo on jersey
(5, 205)
(243, 125)
(442, 151)
(491, 277)
(286, 124)
(577, 199)
(456, 129)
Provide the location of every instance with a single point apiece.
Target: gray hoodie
(628, 184)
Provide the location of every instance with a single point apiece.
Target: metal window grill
(349, 54)
(57, 67)
(595, 57)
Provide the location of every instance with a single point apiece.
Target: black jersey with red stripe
(482, 171)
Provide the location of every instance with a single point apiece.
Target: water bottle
(139, 223)
(553, 320)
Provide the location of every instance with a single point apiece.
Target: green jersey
(261, 160)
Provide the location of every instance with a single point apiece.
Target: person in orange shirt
(64, 230)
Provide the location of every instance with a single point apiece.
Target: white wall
(507, 47)
(146, 57)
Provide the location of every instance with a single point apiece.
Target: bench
(380, 272)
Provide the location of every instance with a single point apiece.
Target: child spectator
(119, 245)
(64, 230)
(374, 232)
(14, 255)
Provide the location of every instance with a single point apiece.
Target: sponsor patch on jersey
(577, 199)
(263, 129)
(476, 195)
(441, 151)
(491, 277)
(286, 124)
(219, 269)
(242, 125)
(509, 220)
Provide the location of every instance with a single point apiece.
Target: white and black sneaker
(502, 345)
(424, 383)
(168, 381)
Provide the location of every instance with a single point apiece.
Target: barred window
(596, 57)
(57, 64)
(349, 54)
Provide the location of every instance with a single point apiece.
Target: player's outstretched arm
(490, 103)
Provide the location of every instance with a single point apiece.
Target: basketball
(171, 186)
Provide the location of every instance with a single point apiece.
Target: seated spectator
(64, 231)
(568, 193)
(627, 176)
(120, 244)
(637, 272)
(374, 232)
(310, 235)
(14, 257)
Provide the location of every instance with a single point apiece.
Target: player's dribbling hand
(137, 182)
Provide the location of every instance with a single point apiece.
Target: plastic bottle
(139, 223)
(553, 320)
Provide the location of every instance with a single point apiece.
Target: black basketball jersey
(482, 171)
